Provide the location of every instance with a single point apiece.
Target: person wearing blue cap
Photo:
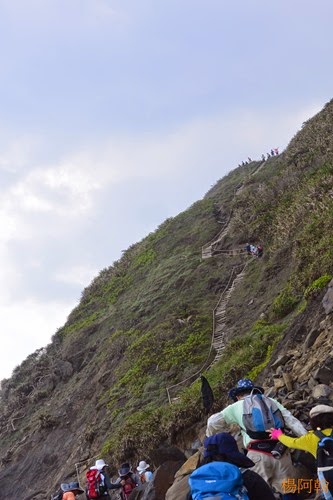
(71, 490)
(222, 447)
(274, 471)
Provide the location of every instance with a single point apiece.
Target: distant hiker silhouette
(248, 249)
(260, 250)
(207, 394)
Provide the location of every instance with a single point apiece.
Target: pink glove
(275, 433)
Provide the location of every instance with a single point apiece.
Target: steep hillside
(145, 324)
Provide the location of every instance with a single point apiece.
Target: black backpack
(325, 461)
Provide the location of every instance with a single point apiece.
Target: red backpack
(95, 484)
(128, 487)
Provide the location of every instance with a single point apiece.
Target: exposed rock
(312, 382)
(63, 369)
(168, 454)
(311, 338)
(328, 299)
(163, 479)
(190, 465)
(287, 380)
(281, 360)
(278, 383)
(179, 489)
(321, 390)
(324, 374)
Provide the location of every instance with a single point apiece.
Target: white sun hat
(99, 464)
(142, 466)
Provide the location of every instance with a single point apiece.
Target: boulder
(324, 374)
(281, 360)
(179, 489)
(190, 465)
(171, 453)
(157, 488)
(163, 479)
(321, 391)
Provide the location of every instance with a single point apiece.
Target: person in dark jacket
(223, 448)
(128, 480)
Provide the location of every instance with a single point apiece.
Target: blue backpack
(260, 414)
(217, 481)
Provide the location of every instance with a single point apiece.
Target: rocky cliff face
(120, 377)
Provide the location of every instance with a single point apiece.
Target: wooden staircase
(219, 313)
(220, 331)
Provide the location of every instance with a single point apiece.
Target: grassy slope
(125, 342)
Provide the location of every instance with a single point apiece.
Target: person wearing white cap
(97, 475)
(145, 474)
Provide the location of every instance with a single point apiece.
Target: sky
(117, 114)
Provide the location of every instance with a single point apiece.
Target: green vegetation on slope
(145, 323)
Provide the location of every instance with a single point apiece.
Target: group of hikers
(264, 468)
(249, 160)
(273, 152)
(98, 482)
(256, 250)
(258, 468)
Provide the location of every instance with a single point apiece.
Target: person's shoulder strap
(320, 434)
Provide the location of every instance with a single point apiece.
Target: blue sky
(115, 115)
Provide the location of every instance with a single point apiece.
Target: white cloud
(75, 17)
(28, 326)
(54, 202)
(77, 275)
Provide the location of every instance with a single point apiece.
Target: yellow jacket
(308, 442)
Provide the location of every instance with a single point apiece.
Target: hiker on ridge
(321, 421)
(260, 250)
(248, 248)
(248, 397)
(222, 447)
(253, 250)
(98, 482)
